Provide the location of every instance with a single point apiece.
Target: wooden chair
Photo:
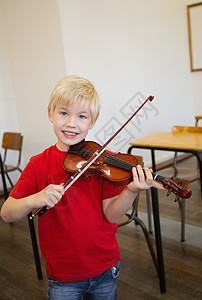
(12, 141)
(187, 129)
(186, 175)
(132, 216)
(197, 118)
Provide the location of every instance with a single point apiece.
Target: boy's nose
(71, 122)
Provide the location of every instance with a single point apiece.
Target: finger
(135, 174)
(56, 191)
(59, 188)
(53, 195)
(53, 202)
(148, 176)
(141, 174)
(63, 190)
(158, 185)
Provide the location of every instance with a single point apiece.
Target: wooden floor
(138, 278)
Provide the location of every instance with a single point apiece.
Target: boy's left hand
(142, 180)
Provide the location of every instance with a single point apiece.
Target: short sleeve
(26, 185)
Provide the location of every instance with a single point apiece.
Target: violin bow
(95, 156)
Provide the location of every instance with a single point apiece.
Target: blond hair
(75, 88)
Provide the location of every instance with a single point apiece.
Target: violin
(115, 168)
(89, 158)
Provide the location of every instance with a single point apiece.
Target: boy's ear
(50, 116)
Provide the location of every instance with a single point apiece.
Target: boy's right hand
(16, 209)
(49, 196)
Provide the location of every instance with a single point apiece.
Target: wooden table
(189, 142)
(167, 141)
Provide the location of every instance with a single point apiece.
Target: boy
(77, 233)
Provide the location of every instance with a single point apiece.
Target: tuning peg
(171, 178)
(176, 198)
(169, 192)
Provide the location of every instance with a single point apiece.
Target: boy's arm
(15, 209)
(115, 208)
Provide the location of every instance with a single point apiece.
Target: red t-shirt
(76, 240)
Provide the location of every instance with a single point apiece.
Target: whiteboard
(194, 15)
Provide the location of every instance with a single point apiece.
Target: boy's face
(71, 124)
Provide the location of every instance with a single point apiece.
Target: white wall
(127, 48)
(36, 59)
(8, 115)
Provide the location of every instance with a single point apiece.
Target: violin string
(120, 162)
(117, 162)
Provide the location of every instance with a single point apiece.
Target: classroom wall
(196, 77)
(132, 49)
(129, 49)
(8, 115)
(36, 58)
(35, 62)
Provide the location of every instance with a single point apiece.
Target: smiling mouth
(70, 133)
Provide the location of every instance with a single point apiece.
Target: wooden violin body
(115, 168)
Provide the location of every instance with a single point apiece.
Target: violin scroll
(179, 190)
(172, 187)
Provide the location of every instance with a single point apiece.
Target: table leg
(3, 179)
(157, 227)
(199, 158)
(159, 249)
(153, 160)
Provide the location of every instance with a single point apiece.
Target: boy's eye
(82, 117)
(63, 113)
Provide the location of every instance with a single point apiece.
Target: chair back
(12, 141)
(197, 118)
(186, 129)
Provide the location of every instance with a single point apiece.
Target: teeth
(70, 133)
